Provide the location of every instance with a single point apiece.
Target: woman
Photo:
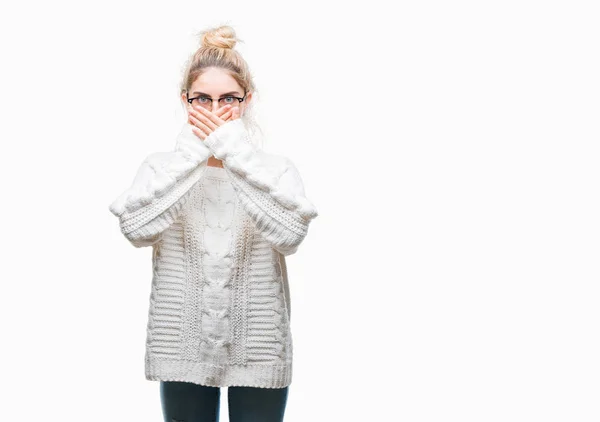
(220, 214)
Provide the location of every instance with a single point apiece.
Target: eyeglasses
(206, 102)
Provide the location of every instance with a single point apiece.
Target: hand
(204, 122)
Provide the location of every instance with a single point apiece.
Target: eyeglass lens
(207, 103)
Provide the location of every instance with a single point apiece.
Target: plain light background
(451, 149)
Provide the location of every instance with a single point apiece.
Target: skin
(214, 82)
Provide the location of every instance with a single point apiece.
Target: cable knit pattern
(268, 185)
(160, 188)
(219, 311)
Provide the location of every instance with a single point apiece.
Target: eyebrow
(222, 95)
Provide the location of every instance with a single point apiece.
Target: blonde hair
(217, 50)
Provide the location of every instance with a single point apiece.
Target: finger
(227, 115)
(235, 113)
(220, 112)
(203, 118)
(209, 115)
(199, 133)
(199, 125)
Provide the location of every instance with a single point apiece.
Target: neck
(214, 162)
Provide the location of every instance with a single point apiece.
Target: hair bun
(220, 37)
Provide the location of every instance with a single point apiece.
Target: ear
(184, 101)
(246, 102)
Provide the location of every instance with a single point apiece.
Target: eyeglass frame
(189, 100)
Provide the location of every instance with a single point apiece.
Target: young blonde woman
(221, 215)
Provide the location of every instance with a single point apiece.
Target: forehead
(215, 81)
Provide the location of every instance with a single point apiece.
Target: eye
(203, 100)
(229, 100)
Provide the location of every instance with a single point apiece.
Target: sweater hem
(250, 375)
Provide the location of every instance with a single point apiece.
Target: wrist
(189, 144)
(228, 139)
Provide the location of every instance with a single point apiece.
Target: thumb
(236, 113)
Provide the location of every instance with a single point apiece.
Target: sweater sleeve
(269, 187)
(160, 188)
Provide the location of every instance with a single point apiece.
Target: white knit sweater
(219, 305)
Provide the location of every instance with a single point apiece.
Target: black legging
(188, 402)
